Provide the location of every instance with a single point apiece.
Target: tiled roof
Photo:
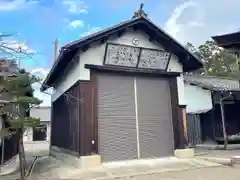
(213, 83)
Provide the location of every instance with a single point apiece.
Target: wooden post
(184, 119)
(213, 116)
(223, 124)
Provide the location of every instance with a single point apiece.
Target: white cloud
(171, 25)
(15, 4)
(197, 20)
(76, 6)
(90, 31)
(46, 97)
(76, 24)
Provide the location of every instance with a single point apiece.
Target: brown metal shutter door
(116, 118)
(154, 117)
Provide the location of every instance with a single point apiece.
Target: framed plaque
(154, 59)
(121, 55)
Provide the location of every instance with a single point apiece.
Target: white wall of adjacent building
(198, 100)
(95, 56)
(45, 119)
(28, 135)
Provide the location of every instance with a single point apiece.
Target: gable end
(189, 61)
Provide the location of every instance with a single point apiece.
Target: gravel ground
(208, 173)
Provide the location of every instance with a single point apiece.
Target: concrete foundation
(73, 160)
(184, 153)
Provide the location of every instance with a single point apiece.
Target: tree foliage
(217, 61)
(19, 88)
(20, 94)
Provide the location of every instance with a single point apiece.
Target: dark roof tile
(213, 83)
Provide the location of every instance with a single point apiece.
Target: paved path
(52, 168)
(32, 149)
(15, 175)
(209, 173)
(217, 153)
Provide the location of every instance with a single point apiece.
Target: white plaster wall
(72, 77)
(198, 100)
(181, 91)
(95, 55)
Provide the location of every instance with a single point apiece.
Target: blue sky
(37, 23)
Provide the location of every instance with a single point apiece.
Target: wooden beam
(135, 28)
(223, 123)
(94, 92)
(85, 48)
(213, 116)
(103, 40)
(177, 118)
(120, 33)
(184, 119)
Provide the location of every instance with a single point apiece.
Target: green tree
(18, 89)
(217, 61)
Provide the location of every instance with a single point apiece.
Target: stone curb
(223, 161)
(236, 159)
(147, 173)
(196, 166)
(217, 147)
(110, 176)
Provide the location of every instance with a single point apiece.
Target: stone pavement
(197, 173)
(207, 173)
(226, 157)
(32, 149)
(50, 168)
(217, 153)
(37, 148)
(16, 174)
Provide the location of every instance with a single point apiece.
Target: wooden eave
(231, 40)
(130, 70)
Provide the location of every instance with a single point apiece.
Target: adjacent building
(229, 41)
(41, 132)
(8, 145)
(205, 115)
(204, 110)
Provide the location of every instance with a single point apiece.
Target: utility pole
(55, 50)
(54, 60)
(2, 153)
